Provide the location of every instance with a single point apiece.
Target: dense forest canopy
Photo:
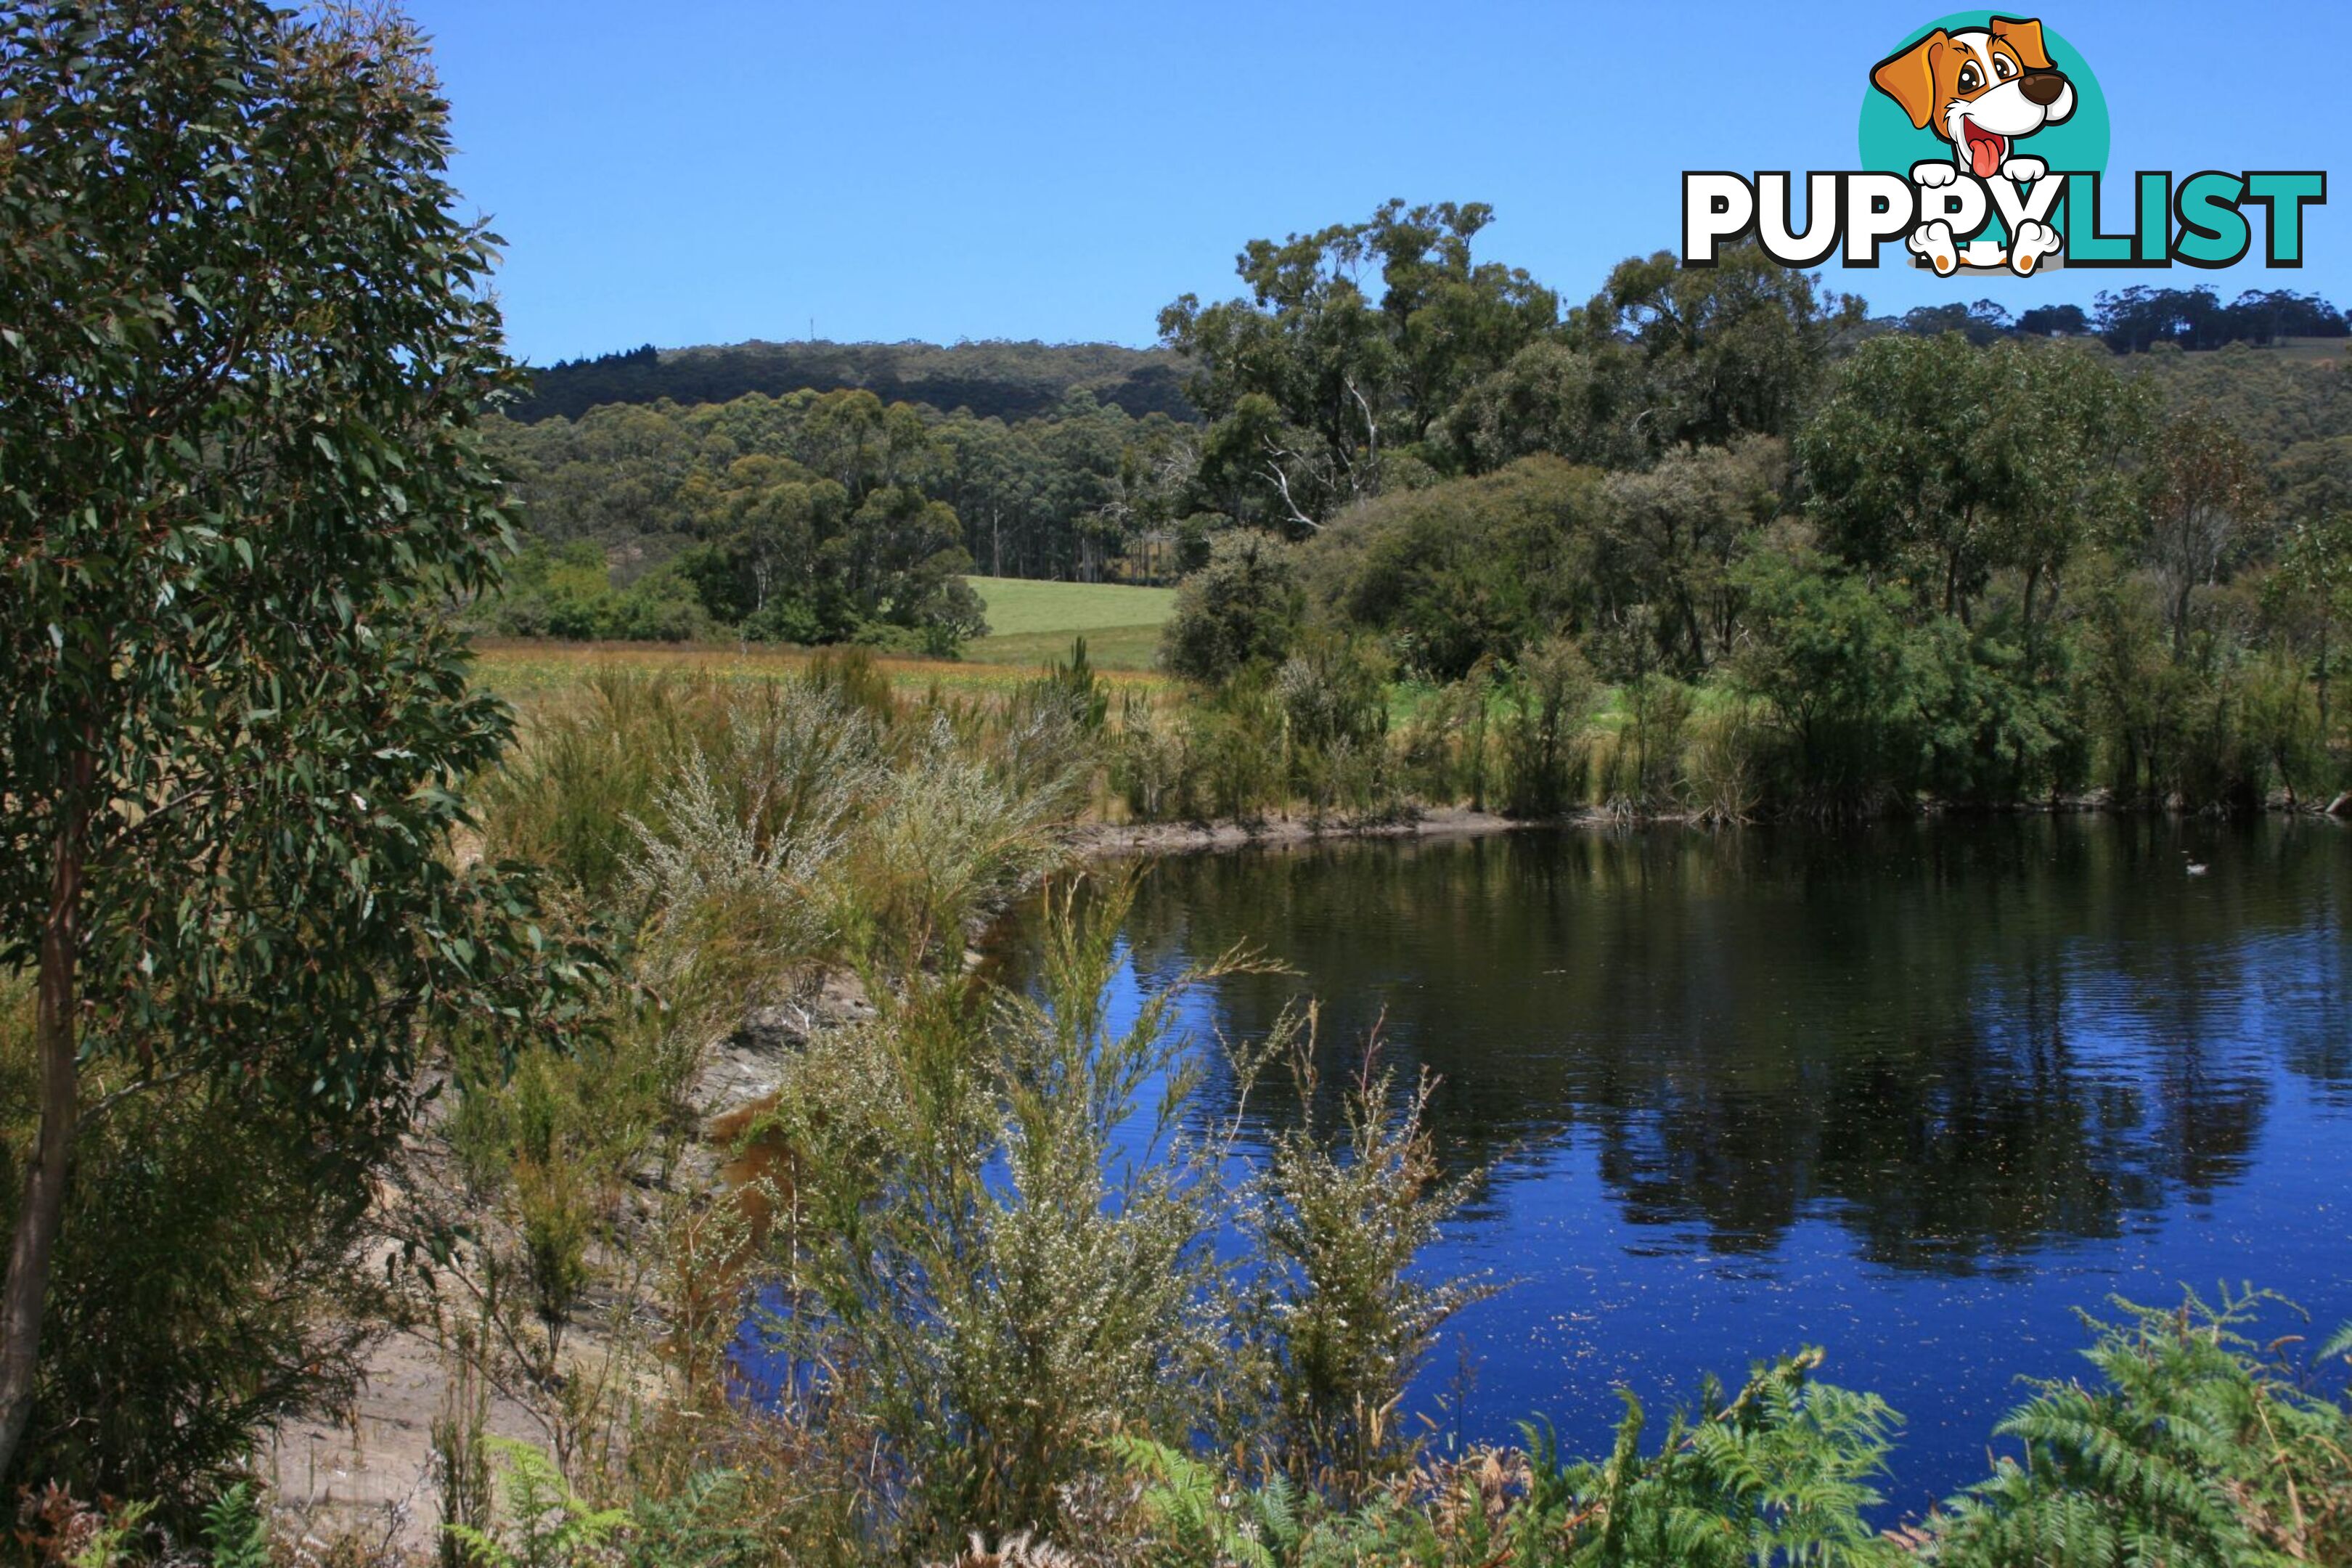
(1016, 380)
(998, 380)
(826, 517)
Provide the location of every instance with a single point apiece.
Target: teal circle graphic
(1891, 143)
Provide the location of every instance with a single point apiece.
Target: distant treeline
(994, 380)
(1014, 381)
(2135, 320)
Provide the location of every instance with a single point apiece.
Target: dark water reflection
(1914, 1094)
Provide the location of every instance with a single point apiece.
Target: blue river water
(1917, 1094)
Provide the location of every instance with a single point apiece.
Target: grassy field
(1033, 623)
(526, 672)
(2314, 350)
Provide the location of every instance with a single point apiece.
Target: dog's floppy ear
(1909, 78)
(2024, 36)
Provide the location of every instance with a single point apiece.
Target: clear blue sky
(708, 172)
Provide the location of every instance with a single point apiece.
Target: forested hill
(1004, 380)
(1015, 381)
(821, 492)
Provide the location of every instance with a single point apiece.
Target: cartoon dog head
(1981, 89)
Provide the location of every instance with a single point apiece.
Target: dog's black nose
(2042, 87)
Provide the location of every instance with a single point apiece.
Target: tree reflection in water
(2015, 1050)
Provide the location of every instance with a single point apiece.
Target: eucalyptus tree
(2205, 488)
(1936, 463)
(2315, 566)
(1724, 351)
(1355, 339)
(243, 343)
(1673, 533)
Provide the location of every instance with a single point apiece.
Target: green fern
(548, 1526)
(113, 1536)
(1779, 1475)
(2195, 1450)
(237, 1530)
(1199, 1522)
(697, 1528)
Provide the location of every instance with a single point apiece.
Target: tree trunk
(25, 1296)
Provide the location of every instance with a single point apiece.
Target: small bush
(1334, 698)
(556, 1215)
(1445, 748)
(1152, 767)
(1338, 1218)
(849, 676)
(589, 767)
(1243, 609)
(946, 836)
(461, 1458)
(1649, 772)
(1723, 763)
(208, 1285)
(1235, 748)
(1550, 692)
(993, 1330)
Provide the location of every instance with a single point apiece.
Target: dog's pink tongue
(1985, 156)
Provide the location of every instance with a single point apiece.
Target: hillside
(993, 379)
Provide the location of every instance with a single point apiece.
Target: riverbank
(1104, 840)
(935, 791)
(1097, 840)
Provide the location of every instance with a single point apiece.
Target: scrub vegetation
(981, 1265)
(338, 999)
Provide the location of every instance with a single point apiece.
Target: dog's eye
(1969, 80)
(2002, 68)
